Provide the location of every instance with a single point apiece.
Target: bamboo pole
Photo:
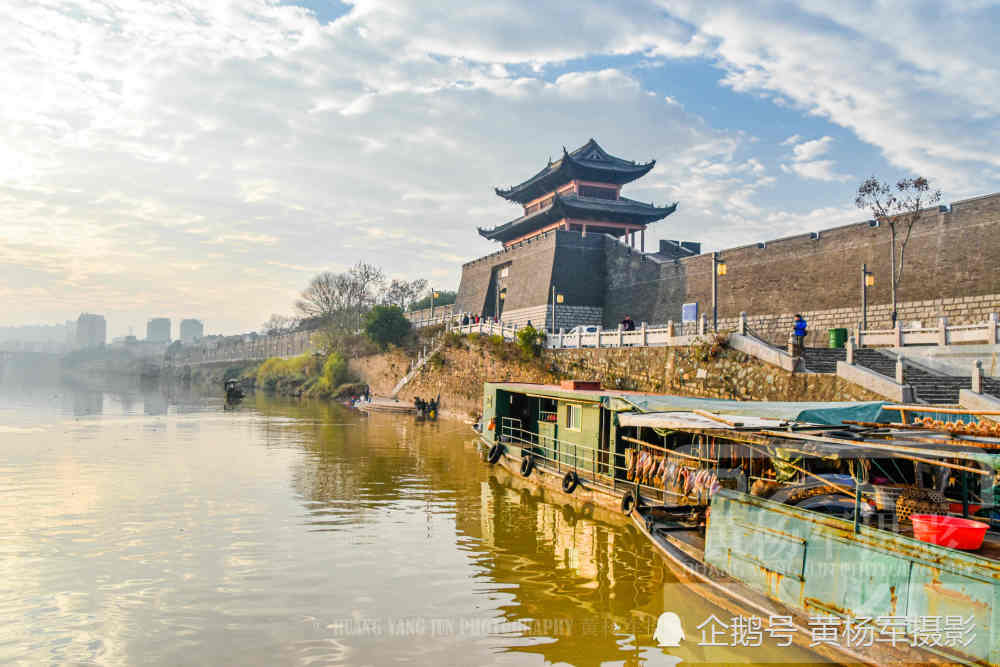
(870, 445)
(841, 489)
(716, 418)
(667, 451)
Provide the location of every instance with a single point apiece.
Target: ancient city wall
(950, 270)
(573, 263)
(243, 348)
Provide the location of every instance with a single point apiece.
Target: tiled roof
(588, 162)
(585, 208)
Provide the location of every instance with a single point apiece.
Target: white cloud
(810, 150)
(918, 80)
(820, 170)
(805, 164)
(153, 152)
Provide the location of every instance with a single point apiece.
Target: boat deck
(990, 548)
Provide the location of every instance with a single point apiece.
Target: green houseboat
(807, 513)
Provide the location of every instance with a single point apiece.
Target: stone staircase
(823, 359)
(416, 366)
(932, 388)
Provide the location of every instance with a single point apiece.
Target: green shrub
(386, 325)
(529, 341)
(282, 374)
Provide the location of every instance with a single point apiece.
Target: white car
(582, 330)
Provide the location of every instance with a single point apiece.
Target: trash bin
(838, 337)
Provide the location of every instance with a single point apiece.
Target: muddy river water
(143, 526)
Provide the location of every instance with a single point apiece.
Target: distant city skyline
(177, 157)
(65, 331)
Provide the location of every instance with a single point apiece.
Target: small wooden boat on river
(805, 513)
(380, 404)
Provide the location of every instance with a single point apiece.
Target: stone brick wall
(950, 270)
(689, 371)
(530, 273)
(462, 367)
(573, 263)
(958, 310)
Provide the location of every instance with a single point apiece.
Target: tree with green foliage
(529, 341)
(386, 325)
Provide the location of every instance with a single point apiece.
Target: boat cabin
(858, 512)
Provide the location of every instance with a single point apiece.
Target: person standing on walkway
(799, 333)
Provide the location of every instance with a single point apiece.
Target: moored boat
(781, 510)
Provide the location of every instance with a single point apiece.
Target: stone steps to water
(932, 388)
(823, 359)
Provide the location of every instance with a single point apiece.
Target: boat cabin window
(574, 417)
(547, 410)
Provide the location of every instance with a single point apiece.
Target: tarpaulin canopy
(824, 413)
(691, 420)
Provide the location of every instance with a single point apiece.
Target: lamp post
(556, 298)
(867, 280)
(501, 296)
(718, 269)
(434, 295)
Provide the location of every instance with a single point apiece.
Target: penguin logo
(668, 629)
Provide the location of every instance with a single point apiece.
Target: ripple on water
(300, 534)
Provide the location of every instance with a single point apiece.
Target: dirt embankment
(457, 372)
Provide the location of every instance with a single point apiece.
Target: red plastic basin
(949, 531)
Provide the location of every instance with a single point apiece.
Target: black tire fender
(570, 481)
(496, 451)
(628, 502)
(527, 465)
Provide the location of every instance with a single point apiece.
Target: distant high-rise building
(91, 330)
(71, 333)
(158, 330)
(191, 330)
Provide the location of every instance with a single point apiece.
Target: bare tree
(279, 324)
(402, 293)
(339, 300)
(899, 208)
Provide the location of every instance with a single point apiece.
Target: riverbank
(709, 369)
(459, 365)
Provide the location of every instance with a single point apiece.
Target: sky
(202, 158)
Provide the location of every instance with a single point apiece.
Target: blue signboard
(689, 312)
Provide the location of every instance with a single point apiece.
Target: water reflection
(147, 524)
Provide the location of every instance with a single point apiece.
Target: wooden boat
(773, 510)
(234, 393)
(391, 405)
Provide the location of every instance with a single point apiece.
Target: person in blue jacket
(800, 334)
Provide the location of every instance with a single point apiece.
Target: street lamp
(718, 269)
(501, 296)
(867, 280)
(556, 298)
(434, 295)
